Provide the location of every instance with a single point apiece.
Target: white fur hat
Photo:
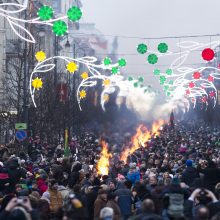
(106, 212)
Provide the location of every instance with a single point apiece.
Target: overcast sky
(155, 18)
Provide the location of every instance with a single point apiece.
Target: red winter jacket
(42, 186)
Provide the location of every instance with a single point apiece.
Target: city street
(109, 110)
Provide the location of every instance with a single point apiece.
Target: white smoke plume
(150, 106)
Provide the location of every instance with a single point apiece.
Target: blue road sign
(21, 135)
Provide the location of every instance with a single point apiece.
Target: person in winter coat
(133, 175)
(175, 195)
(201, 198)
(41, 183)
(211, 176)
(100, 203)
(147, 211)
(16, 209)
(140, 193)
(44, 209)
(75, 174)
(53, 196)
(112, 203)
(15, 173)
(4, 177)
(56, 173)
(124, 200)
(189, 174)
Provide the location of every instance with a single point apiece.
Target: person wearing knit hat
(106, 213)
(190, 173)
(189, 163)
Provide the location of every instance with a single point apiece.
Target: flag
(62, 92)
(98, 44)
(103, 44)
(95, 101)
(172, 119)
(66, 146)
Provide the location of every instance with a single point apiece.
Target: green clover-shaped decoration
(168, 93)
(162, 80)
(107, 61)
(122, 62)
(141, 79)
(130, 78)
(166, 87)
(142, 48)
(115, 70)
(135, 84)
(156, 72)
(162, 47)
(146, 90)
(45, 13)
(152, 58)
(171, 82)
(169, 71)
(74, 13)
(59, 28)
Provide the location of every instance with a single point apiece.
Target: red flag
(62, 92)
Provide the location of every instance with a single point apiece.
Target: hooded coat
(15, 173)
(98, 206)
(124, 199)
(134, 176)
(189, 175)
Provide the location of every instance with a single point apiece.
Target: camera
(21, 200)
(202, 193)
(202, 197)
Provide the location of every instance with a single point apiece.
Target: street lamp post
(25, 57)
(75, 82)
(55, 61)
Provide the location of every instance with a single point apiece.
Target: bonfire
(103, 163)
(142, 136)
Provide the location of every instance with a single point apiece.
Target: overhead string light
(180, 81)
(45, 17)
(90, 78)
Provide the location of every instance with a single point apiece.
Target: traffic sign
(21, 126)
(21, 135)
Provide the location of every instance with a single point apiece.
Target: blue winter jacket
(134, 177)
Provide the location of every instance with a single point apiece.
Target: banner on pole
(66, 147)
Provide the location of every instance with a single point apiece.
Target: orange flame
(103, 163)
(142, 136)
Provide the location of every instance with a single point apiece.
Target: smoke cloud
(150, 106)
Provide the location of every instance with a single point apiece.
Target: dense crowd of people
(175, 175)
